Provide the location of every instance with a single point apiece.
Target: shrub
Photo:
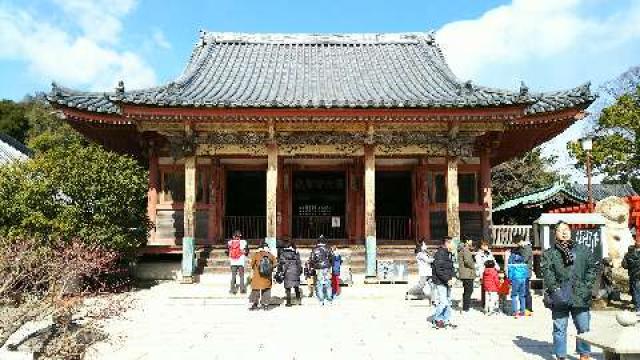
(76, 191)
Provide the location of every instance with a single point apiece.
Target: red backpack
(235, 250)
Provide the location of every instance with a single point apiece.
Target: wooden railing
(311, 227)
(503, 234)
(252, 227)
(393, 227)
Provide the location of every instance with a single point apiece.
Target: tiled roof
(12, 150)
(575, 192)
(320, 71)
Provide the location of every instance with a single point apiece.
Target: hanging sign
(335, 221)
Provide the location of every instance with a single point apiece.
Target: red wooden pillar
(152, 192)
(353, 201)
(421, 201)
(485, 185)
(284, 194)
(358, 200)
(214, 214)
(221, 191)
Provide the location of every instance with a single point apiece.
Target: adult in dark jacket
(443, 280)
(466, 272)
(569, 266)
(524, 246)
(291, 266)
(320, 259)
(631, 262)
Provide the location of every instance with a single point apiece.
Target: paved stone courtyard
(174, 321)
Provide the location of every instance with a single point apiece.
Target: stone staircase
(216, 261)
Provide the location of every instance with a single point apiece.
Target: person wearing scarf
(569, 263)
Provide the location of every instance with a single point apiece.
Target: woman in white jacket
(424, 272)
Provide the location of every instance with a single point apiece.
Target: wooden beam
(486, 188)
(272, 198)
(370, 209)
(188, 240)
(453, 198)
(152, 192)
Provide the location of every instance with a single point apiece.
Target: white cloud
(88, 59)
(160, 40)
(550, 44)
(547, 33)
(98, 19)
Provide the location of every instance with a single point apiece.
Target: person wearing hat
(262, 265)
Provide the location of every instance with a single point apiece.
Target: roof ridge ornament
(120, 90)
(585, 89)
(524, 89)
(55, 89)
(202, 41)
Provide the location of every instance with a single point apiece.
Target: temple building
(363, 138)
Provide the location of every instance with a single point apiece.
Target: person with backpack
(290, 267)
(237, 250)
(321, 260)
(569, 271)
(517, 273)
(443, 272)
(262, 266)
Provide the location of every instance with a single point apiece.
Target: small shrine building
(358, 137)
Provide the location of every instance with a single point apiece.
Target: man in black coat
(631, 262)
(443, 272)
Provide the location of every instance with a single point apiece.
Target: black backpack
(265, 267)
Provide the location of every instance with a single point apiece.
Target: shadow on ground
(534, 347)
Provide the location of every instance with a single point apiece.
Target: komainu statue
(618, 236)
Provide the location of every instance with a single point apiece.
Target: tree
(616, 148)
(13, 121)
(47, 131)
(76, 191)
(522, 175)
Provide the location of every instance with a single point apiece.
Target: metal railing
(503, 234)
(311, 227)
(393, 227)
(252, 227)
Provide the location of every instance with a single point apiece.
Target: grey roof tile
(12, 150)
(319, 71)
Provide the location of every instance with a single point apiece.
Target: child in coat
(518, 274)
(503, 291)
(491, 285)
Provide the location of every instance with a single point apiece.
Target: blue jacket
(517, 269)
(337, 261)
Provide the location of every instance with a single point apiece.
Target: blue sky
(90, 45)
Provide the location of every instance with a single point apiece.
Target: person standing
(336, 263)
(491, 282)
(262, 265)
(517, 273)
(237, 250)
(527, 253)
(483, 255)
(631, 262)
(467, 272)
(320, 260)
(443, 280)
(569, 271)
(425, 274)
(291, 266)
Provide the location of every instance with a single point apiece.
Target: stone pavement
(174, 321)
